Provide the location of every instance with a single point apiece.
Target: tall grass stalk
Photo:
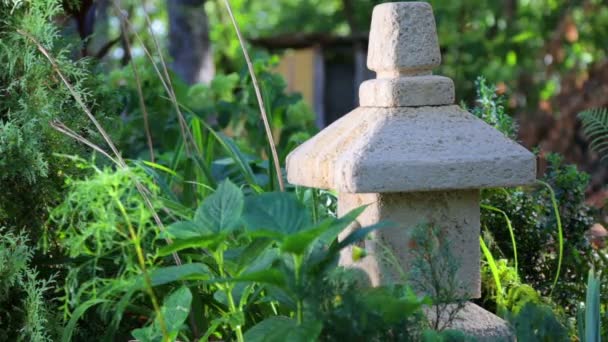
(511, 232)
(560, 233)
(163, 77)
(140, 93)
(493, 268)
(258, 94)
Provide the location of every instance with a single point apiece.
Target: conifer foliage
(31, 98)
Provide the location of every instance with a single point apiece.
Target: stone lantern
(413, 156)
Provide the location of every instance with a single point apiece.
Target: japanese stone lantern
(413, 156)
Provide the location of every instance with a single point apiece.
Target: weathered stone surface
(403, 39)
(408, 149)
(479, 323)
(407, 92)
(413, 158)
(455, 212)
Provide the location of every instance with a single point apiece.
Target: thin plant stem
(219, 258)
(62, 128)
(493, 269)
(142, 264)
(140, 94)
(511, 231)
(297, 262)
(165, 80)
(560, 233)
(258, 94)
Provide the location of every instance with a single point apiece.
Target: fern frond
(595, 126)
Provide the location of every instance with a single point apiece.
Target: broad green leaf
(361, 233)
(170, 274)
(263, 260)
(277, 212)
(268, 276)
(207, 241)
(221, 211)
(176, 308)
(254, 251)
(186, 230)
(175, 311)
(299, 242)
(326, 231)
(338, 225)
(280, 329)
(392, 309)
(147, 334)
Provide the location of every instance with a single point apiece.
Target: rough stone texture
(455, 212)
(479, 323)
(407, 92)
(409, 149)
(403, 39)
(413, 158)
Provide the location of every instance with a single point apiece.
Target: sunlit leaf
(276, 211)
(170, 274)
(280, 329)
(221, 211)
(186, 230)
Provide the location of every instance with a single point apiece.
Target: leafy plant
(595, 125)
(251, 264)
(533, 317)
(489, 106)
(105, 227)
(433, 272)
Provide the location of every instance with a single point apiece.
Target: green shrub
(33, 96)
(26, 313)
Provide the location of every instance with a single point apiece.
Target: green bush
(26, 312)
(34, 96)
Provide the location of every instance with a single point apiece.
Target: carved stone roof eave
(409, 149)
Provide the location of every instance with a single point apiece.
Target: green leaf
(76, 315)
(390, 308)
(147, 334)
(268, 276)
(360, 234)
(277, 212)
(175, 311)
(208, 241)
(221, 211)
(186, 230)
(280, 328)
(170, 274)
(223, 86)
(338, 225)
(176, 308)
(299, 242)
(259, 252)
(592, 308)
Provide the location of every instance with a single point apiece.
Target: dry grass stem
(258, 94)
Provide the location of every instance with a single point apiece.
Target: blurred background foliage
(548, 57)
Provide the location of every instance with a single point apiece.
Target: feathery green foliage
(33, 96)
(595, 125)
(26, 313)
(101, 224)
